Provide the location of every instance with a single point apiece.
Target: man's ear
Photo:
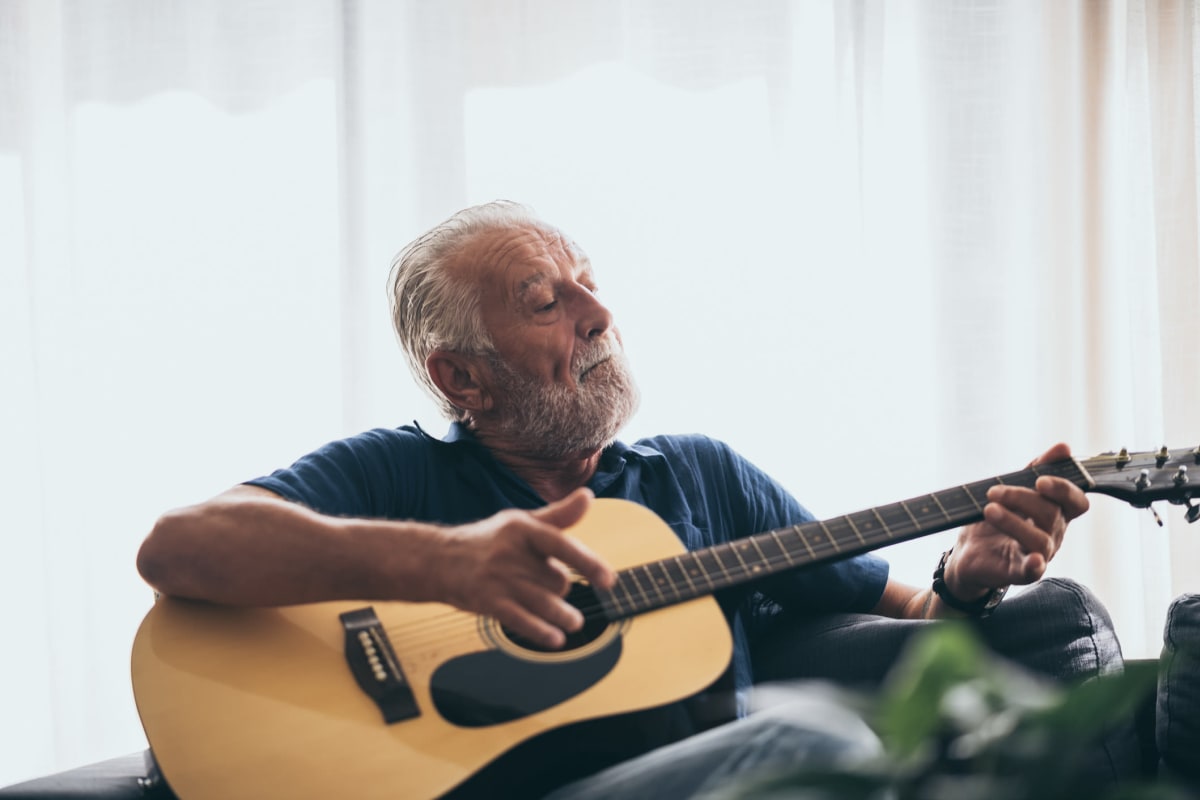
(457, 376)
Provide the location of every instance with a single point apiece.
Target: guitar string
(643, 600)
(433, 627)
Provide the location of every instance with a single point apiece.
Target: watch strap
(982, 607)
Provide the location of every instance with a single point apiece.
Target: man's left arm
(1021, 530)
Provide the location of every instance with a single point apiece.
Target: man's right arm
(249, 546)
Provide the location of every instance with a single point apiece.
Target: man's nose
(594, 317)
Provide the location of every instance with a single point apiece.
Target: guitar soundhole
(595, 623)
(514, 678)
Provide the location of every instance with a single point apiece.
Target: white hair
(435, 309)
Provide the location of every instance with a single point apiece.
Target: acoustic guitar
(407, 700)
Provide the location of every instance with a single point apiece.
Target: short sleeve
(375, 474)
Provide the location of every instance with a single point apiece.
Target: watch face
(993, 599)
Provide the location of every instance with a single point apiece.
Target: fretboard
(658, 584)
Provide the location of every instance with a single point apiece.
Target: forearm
(907, 602)
(250, 547)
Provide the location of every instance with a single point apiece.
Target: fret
(782, 548)
(762, 557)
(896, 519)
(804, 539)
(710, 566)
(684, 573)
(716, 554)
(699, 571)
(971, 497)
(941, 507)
(911, 516)
(825, 528)
(887, 529)
(609, 604)
(853, 527)
(838, 528)
(861, 521)
(643, 595)
(755, 565)
(622, 585)
(734, 546)
(656, 583)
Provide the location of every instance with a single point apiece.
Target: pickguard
(493, 686)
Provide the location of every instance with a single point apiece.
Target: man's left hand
(1020, 532)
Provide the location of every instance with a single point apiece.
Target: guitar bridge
(375, 667)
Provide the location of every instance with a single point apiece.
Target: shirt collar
(612, 461)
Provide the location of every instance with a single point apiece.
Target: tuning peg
(1193, 512)
(1181, 475)
(1196, 454)
(1164, 455)
(1124, 458)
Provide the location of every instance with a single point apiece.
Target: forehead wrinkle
(528, 246)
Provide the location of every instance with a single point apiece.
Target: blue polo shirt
(706, 493)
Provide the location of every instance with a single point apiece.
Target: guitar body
(261, 702)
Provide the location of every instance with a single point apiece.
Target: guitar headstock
(1144, 478)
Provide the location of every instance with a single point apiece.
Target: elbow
(155, 556)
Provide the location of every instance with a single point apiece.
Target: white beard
(555, 421)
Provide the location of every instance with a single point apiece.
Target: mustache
(595, 353)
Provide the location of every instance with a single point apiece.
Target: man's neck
(552, 478)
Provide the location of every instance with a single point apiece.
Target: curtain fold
(880, 247)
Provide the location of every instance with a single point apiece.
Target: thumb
(566, 512)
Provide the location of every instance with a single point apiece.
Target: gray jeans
(811, 728)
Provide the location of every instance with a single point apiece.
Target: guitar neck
(669, 581)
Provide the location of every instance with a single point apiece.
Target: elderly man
(500, 320)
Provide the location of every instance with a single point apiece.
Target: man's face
(559, 376)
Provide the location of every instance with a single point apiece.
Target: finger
(566, 512)
(1066, 495)
(550, 574)
(550, 541)
(1057, 452)
(574, 554)
(550, 608)
(1033, 567)
(1043, 511)
(519, 621)
(1027, 534)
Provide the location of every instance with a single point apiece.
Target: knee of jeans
(1057, 627)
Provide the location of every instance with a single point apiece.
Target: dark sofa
(1056, 628)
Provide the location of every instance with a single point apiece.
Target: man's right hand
(517, 566)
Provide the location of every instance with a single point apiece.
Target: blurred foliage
(959, 723)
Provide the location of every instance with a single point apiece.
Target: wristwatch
(982, 607)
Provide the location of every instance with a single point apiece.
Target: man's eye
(548, 307)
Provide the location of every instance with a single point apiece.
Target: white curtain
(882, 248)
